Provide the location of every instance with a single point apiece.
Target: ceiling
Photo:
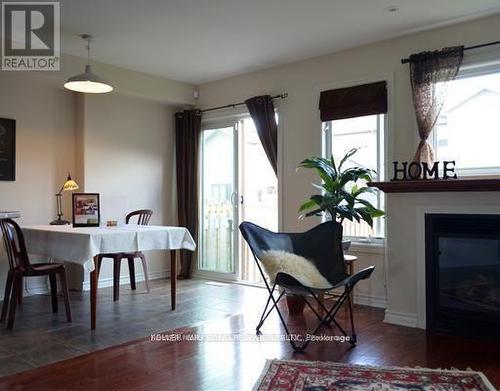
(197, 41)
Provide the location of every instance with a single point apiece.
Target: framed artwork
(7, 149)
(86, 210)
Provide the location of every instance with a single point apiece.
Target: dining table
(82, 245)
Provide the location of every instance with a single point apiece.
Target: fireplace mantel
(441, 185)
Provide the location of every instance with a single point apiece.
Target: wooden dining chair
(20, 267)
(142, 217)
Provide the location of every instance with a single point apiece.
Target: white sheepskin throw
(300, 268)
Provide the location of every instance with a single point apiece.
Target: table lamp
(69, 185)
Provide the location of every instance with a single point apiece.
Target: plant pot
(295, 304)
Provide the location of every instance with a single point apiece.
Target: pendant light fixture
(87, 81)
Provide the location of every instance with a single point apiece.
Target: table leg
(94, 277)
(173, 277)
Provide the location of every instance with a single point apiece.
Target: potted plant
(341, 191)
(340, 198)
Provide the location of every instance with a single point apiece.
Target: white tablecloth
(80, 245)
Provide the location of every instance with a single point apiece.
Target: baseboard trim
(400, 318)
(41, 287)
(370, 301)
(36, 286)
(125, 280)
(359, 298)
(362, 299)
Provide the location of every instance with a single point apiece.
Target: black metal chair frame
(291, 285)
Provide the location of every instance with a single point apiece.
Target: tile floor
(41, 337)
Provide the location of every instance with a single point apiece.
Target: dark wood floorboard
(151, 365)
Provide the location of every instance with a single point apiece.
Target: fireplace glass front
(463, 274)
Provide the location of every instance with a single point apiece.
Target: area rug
(286, 375)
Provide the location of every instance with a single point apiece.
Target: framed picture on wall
(86, 210)
(7, 149)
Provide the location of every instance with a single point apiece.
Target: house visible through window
(365, 133)
(468, 129)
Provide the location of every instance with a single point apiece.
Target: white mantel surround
(405, 255)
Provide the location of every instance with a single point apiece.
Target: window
(365, 133)
(468, 128)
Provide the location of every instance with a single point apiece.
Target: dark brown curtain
(350, 102)
(430, 73)
(187, 142)
(261, 109)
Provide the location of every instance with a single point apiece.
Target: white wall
(128, 157)
(44, 115)
(54, 135)
(52, 121)
(370, 292)
(45, 147)
(299, 117)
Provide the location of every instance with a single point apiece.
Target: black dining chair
(142, 217)
(20, 267)
(321, 245)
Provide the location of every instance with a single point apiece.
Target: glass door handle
(242, 200)
(233, 198)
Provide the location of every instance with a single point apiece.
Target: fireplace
(463, 274)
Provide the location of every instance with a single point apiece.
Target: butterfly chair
(321, 245)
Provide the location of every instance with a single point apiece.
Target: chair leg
(131, 272)
(53, 291)
(64, 288)
(17, 280)
(330, 314)
(117, 262)
(6, 296)
(264, 316)
(145, 270)
(353, 335)
(99, 263)
(328, 318)
(297, 348)
(319, 311)
(20, 295)
(273, 306)
(321, 298)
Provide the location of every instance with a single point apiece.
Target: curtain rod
(280, 96)
(407, 60)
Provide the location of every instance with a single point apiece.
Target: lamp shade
(70, 184)
(88, 82)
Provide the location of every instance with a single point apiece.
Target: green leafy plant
(342, 191)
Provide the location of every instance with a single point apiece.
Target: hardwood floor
(236, 365)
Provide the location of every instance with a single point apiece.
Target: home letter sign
(417, 170)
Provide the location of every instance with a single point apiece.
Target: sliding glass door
(219, 209)
(237, 183)
(259, 188)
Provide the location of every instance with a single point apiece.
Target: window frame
(382, 150)
(472, 67)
